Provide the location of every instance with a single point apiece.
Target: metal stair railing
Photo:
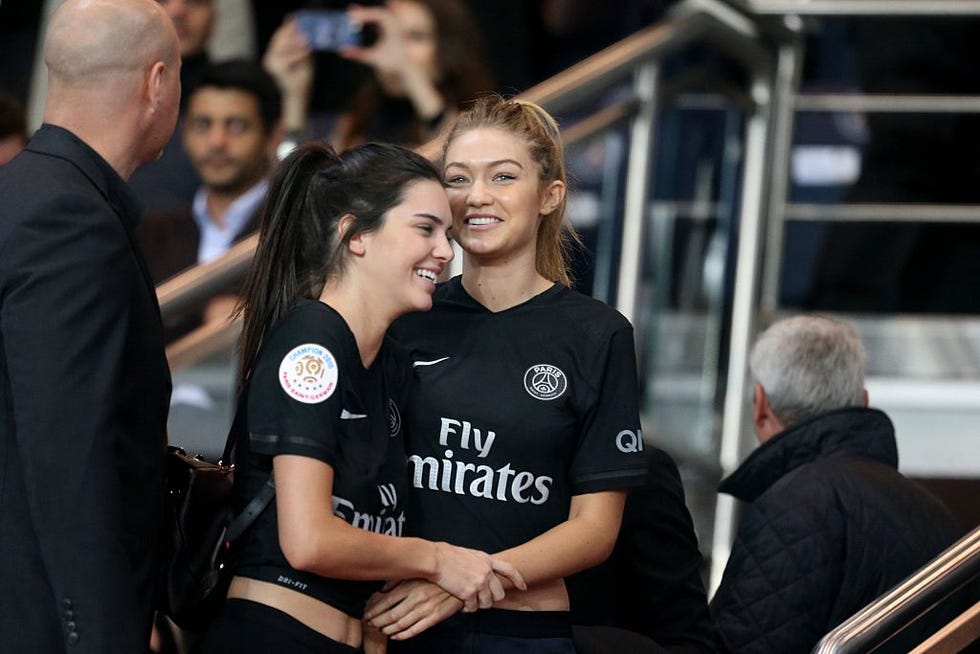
(873, 625)
(756, 291)
(780, 210)
(861, 7)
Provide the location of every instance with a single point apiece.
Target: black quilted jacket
(831, 526)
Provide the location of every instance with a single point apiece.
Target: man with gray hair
(84, 385)
(831, 524)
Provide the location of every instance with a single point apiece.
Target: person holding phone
(347, 244)
(428, 60)
(523, 429)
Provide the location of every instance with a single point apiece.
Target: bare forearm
(341, 551)
(558, 553)
(314, 540)
(426, 99)
(583, 541)
(295, 112)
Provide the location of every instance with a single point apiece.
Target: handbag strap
(252, 510)
(238, 424)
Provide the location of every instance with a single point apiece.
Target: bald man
(84, 385)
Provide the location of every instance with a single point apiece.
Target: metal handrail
(882, 212)
(599, 122)
(207, 339)
(862, 7)
(840, 212)
(707, 20)
(887, 103)
(878, 621)
(202, 281)
(780, 209)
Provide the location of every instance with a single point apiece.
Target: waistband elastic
(342, 594)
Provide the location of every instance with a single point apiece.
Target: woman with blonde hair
(523, 430)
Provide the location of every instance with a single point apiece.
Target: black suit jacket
(84, 390)
(169, 241)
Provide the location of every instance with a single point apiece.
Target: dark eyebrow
(432, 217)
(489, 165)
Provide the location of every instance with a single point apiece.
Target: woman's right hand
(470, 575)
(387, 55)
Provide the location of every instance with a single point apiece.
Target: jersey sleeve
(610, 446)
(296, 388)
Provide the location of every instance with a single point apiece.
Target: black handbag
(199, 527)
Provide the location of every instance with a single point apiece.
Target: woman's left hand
(410, 608)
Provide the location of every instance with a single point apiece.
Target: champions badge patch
(308, 373)
(545, 382)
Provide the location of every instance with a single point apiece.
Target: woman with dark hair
(428, 62)
(347, 244)
(523, 428)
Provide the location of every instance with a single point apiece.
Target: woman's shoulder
(589, 314)
(310, 324)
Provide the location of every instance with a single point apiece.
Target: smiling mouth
(426, 274)
(482, 220)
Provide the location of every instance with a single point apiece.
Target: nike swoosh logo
(416, 364)
(347, 415)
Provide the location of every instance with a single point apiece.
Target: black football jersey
(513, 412)
(310, 395)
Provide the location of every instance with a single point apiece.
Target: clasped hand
(470, 575)
(466, 579)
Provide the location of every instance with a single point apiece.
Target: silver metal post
(638, 175)
(743, 316)
(788, 66)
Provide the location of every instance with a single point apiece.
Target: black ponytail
(292, 245)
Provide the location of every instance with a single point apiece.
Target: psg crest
(545, 382)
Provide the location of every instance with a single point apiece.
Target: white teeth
(426, 274)
(482, 220)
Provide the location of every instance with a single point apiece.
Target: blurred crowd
(411, 67)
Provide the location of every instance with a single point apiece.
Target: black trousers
(246, 627)
(494, 631)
